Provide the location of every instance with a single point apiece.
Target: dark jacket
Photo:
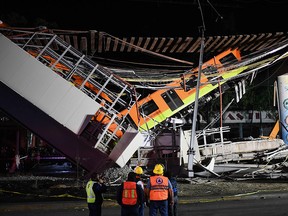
(98, 190)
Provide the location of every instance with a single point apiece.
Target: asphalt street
(265, 204)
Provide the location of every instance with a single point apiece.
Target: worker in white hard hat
(159, 192)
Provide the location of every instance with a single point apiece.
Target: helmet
(138, 170)
(158, 169)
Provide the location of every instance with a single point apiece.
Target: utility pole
(191, 151)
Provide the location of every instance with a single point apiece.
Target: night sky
(151, 17)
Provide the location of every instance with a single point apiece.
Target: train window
(148, 108)
(210, 69)
(191, 83)
(172, 99)
(228, 58)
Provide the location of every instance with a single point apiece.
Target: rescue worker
(94, 191)
(130, 196)
(173, 209)
(159, 192)
(139, 172)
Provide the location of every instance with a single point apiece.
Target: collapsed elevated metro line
(88, 124)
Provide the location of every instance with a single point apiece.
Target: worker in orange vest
(130, 196)
(159, 192)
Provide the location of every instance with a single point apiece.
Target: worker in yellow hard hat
(130, 195)
(139, 172)
(159, 192)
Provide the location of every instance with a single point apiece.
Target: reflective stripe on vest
(89, 191)
(159, 188)
(129, 194)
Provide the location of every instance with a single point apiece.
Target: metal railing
(98, 82)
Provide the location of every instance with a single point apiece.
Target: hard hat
(158, 169)
(138, 170)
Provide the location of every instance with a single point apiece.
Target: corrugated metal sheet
(155, 58)
(100, 42)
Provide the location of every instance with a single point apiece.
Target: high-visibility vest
(159, 188)
(129, 193)
(89, 191)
